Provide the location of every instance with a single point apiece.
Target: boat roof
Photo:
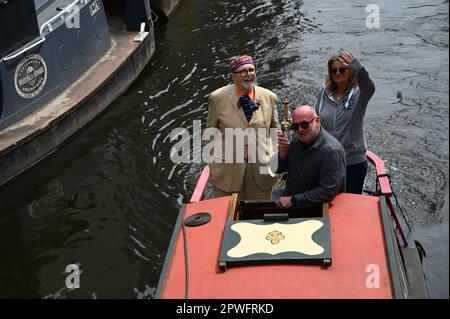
(358, 246)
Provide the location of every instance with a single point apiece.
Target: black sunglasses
(341, 70)
(303, 124)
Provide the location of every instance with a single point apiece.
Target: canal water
(108, 199)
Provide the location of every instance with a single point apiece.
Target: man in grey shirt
(315, 162)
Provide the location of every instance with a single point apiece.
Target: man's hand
(283, 146)
(284, 202)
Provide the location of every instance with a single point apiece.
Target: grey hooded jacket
(345, 119)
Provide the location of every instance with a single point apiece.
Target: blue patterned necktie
(248, 106)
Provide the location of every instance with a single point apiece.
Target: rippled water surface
(108, 200)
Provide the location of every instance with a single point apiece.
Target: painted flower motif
(275, 237)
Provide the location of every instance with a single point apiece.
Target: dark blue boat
(62, 63)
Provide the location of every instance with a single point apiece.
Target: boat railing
(382, 176)
(200, 188)
(47, 24)
(28, 47)
(385, 189)
(68, 9)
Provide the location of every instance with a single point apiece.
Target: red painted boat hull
(360, 269)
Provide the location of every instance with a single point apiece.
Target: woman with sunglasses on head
(341, 104)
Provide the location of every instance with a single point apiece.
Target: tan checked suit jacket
(224, 112)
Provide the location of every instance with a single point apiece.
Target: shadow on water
(108, 199)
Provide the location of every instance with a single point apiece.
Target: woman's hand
(347, 57)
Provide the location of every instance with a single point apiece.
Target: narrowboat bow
(357, 246)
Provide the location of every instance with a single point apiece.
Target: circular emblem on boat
(197, 219)
(30, 76)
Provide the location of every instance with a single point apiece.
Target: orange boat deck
(360, 267)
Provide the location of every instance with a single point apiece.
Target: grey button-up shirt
(316, 174)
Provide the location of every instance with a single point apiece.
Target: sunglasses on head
(303, 124)
(341, 70)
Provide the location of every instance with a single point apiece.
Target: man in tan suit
(243, 106)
